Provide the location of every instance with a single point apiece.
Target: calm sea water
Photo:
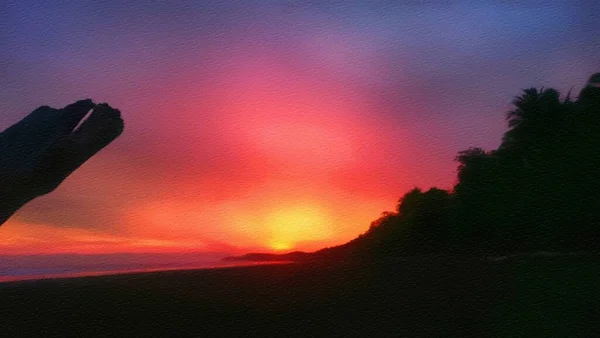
(15, 268)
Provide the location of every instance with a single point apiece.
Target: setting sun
(280, 246)
(293, 224)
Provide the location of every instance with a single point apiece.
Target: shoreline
(538, 294)
(4, 280)
(239, 263)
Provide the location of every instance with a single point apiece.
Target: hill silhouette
(539, 191)
(262, 257)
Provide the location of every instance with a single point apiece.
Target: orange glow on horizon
(280, 246)
(290, 225)
(23, 239)
(262, 160)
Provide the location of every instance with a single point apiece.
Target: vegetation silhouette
(539, 191)
(39, 152)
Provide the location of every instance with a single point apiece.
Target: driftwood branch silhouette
(39, 152)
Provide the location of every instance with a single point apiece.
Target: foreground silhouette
(40, 151)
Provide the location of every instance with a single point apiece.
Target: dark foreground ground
(521, 297)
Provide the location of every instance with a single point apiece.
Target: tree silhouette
(540, 190)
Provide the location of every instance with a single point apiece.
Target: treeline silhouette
(539, 191)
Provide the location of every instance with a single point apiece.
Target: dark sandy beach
(437, 296)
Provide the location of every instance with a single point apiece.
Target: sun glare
(291, 225)
(280, 245)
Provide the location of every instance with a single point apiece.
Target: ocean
(31, 267)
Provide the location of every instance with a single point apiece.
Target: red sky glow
(269, 127)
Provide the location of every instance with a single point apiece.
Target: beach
(432, 296)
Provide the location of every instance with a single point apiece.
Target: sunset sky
(271, 125)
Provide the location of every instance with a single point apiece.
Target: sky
(271, 125)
